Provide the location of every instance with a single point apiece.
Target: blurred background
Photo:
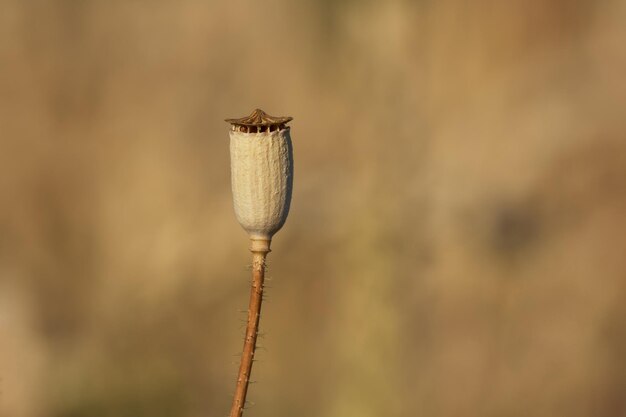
(456, 243)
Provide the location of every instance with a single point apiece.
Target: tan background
(456, 245)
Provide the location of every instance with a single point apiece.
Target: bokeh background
(456, 244)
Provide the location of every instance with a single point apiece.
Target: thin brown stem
(252, 330)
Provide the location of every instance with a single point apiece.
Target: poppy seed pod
(261, 158)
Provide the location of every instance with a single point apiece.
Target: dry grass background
(457, 236)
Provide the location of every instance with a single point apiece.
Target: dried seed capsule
(261, 174)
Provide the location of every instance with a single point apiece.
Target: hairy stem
(252, 330)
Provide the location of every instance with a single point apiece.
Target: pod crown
(258, 119)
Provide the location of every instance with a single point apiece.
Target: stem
(252, 330)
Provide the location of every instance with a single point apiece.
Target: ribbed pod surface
(262, 180)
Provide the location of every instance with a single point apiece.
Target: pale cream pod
(261, 156)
